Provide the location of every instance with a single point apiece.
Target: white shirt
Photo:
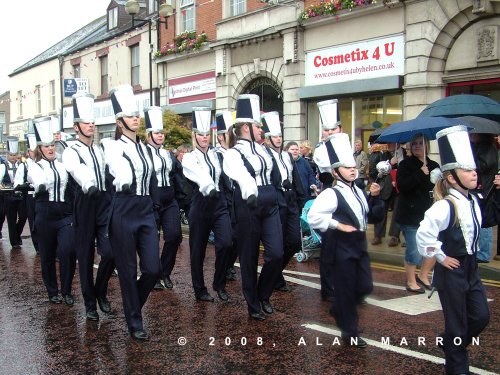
(86, 165)
(258, 158)
(284, 164)
(162, 165)
(53, 175)
(437, 219)
(320, 213)
(203, 169)
(11, 169)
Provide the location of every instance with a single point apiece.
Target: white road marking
(393, 348)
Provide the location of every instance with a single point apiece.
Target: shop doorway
(270, 94)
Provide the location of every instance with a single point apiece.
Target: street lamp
(164, 10)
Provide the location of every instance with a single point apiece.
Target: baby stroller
(311, 240)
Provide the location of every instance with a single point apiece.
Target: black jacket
(414, 190)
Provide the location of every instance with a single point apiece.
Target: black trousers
(465, 310)
(253, 226)
(15, 211)
(132, 233)
(30, 212)
(208, 214)
(170, 222)
(56, 237)
(91, 215)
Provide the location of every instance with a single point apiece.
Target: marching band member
(15, 208)
(329, 115)
(208, 208)
(131, 225)
(224, 121)
(342, 214)
(23, 184)
(84, 161)
(256, 206)
(168, 209)
(53, 215)
(288, 191)
(450, 233)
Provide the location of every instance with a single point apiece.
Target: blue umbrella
(463, 105)
(402, 132)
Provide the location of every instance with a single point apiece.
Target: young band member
(288, 191)
(342, 214)
(84, 161)
(450, 233)
(208, 208)
(168, 210)
(132, 227)
(256, 208)
(53, 215)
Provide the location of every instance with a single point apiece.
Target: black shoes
(55, 299)
(92, 315)
(69, 300)
(258, 316)
(167, 282)
(266, 307)
(205, 297)
(104, 304)
(419, 290)
(140, 335)
(222, 293)
(357, 342)
(284, 288)
(419, 281)
(158, 286)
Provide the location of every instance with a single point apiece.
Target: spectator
(304, 168)
(305, 149)
(361, 164)
(414, 183)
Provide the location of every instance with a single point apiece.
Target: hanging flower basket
(185, 42)
(332, 7)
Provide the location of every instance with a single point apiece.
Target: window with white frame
(104, 74)
(152, 6)
(38, 99)
(112, 18)
(187, 13)
(135, 65)
(76, 71)
(52, 87)
(237, 7)
(2, 125)
(20, 103)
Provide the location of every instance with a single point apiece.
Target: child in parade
(449, 232)
(342, 214)
(53, 215)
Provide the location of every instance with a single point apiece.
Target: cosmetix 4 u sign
(367, 59)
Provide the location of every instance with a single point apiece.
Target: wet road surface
(187, 336)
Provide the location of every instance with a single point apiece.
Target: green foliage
(176, 133)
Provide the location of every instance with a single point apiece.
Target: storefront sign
(75, 85)
(367, 59)
(192, 88)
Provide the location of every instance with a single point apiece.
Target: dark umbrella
(463, 105)
(480, 124)
(402, 132)
(375, 134)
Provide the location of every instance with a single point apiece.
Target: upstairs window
(52, 85)
(104, 74)
(112, 18)
(76, 71)
(135, 64)
(152, 6)
(187, 15)
(237, 7)
(38, 99)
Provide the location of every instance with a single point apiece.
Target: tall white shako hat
(13, 144)
(44, 130)
(248, 109)
(224, 121)
(201, 120)
(83, 107)
(124, 102)
(455, 149)
(153, 117)
(271, 124)
(339, 151)
(31, 141)
(329, 114)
